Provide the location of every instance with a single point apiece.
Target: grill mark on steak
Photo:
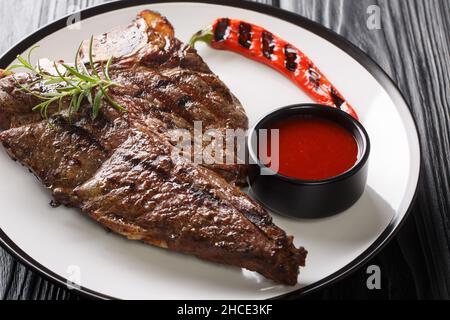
(163, 172)
(169, 96)
(202, 90)
(64, 123)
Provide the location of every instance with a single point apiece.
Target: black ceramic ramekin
(308, 198)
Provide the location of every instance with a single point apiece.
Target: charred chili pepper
(261, 45)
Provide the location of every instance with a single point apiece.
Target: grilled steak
(120, 168)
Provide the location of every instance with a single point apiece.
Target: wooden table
(413, 46)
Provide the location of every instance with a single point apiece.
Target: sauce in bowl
(318, 166)
(313, 148)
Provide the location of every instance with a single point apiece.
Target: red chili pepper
(261, 45)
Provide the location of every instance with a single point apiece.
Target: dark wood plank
(413, 48)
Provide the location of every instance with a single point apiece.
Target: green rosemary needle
(74, 84)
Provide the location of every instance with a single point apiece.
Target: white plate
(60, 242)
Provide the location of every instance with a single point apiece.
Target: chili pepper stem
(204, 35)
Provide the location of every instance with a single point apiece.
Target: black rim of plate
(325, 33)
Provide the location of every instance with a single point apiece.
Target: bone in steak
(119, 168)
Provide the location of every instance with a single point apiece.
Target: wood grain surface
(413, 47)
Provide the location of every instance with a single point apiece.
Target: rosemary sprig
(74, 84)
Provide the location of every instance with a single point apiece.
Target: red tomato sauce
(312, 148)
